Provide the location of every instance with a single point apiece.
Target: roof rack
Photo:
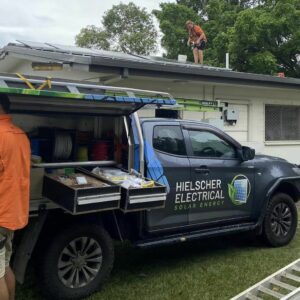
(18, 84)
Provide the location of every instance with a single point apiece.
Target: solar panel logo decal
(239, 190)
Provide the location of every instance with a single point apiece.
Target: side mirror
(247, 153)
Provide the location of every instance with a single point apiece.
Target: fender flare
(280, 181)
(271, 190)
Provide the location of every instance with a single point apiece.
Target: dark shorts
(201, 46)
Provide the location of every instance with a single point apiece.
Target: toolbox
(133, 199)
(141, 198)
(82, 198)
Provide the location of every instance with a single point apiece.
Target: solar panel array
(74, 50)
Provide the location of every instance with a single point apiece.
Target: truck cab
(200, 163)
(215, 185)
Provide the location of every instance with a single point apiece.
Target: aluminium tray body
(82, 200)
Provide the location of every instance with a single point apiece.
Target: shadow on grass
(132, 263)
(160, 256)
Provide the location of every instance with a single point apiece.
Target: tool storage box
(133, 199)
(139, 198)
(77, 199)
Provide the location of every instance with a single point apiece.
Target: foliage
(125, 27)
(196, 5)
(267, 39)
(262, 36)
(93, 37)
(172, 18)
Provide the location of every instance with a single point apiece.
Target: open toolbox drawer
(142, 198)
(82, 199)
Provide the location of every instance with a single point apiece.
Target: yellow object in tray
(126, 180)
(117, 178)
(148, 184)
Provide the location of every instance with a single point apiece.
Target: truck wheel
(280, 223)
(76, 263)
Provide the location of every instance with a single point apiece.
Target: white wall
(249, 100)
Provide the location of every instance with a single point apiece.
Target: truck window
(207, 144)
(169, 139)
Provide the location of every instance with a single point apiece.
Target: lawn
(210, 269)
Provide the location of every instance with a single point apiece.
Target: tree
(197, 6)
(266, 39)
(262, 36)
(172, 18)
(219, 15)
(93, 37)
(125, 27)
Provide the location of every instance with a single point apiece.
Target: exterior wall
(249, 100)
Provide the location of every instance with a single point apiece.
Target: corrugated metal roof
(143, 65)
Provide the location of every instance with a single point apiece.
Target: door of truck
(169, 151)
(222, 185)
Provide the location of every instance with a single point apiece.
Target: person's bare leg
(200, 53)
(4, 295)
(10, 282)
(196, 57)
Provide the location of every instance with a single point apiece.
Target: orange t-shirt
(196, 33)
(14, 175)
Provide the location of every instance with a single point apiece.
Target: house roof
(138, 65)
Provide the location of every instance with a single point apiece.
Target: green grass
(209, 269)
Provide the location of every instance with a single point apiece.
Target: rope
(31, 86)
(62, 146)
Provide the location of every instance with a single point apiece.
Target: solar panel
(72, 49)
(241, 186)
(112, 54)
(118, 55)
(36, 45)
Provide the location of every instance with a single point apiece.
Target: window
(282, 123)
(207, 144)
(169, 139)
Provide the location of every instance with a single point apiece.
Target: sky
(55, 21)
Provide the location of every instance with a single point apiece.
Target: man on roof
(197, 39)
(14, 192)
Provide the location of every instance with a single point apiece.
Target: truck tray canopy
(45, 95)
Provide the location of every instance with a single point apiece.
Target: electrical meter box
(231, 114)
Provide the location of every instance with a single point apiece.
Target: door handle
(202, 170)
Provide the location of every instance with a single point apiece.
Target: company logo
(239, 190)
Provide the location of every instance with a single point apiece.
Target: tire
(65, 273)
(280, 222)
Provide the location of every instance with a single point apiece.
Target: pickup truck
(207, 184)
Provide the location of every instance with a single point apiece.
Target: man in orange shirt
(197, 39)
(14, 192)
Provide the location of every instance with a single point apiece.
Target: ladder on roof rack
(75, 86)
(284, 285)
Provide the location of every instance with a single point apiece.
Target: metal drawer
(82, 200)
(134, 199)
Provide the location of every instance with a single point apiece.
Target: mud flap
(26, 245)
